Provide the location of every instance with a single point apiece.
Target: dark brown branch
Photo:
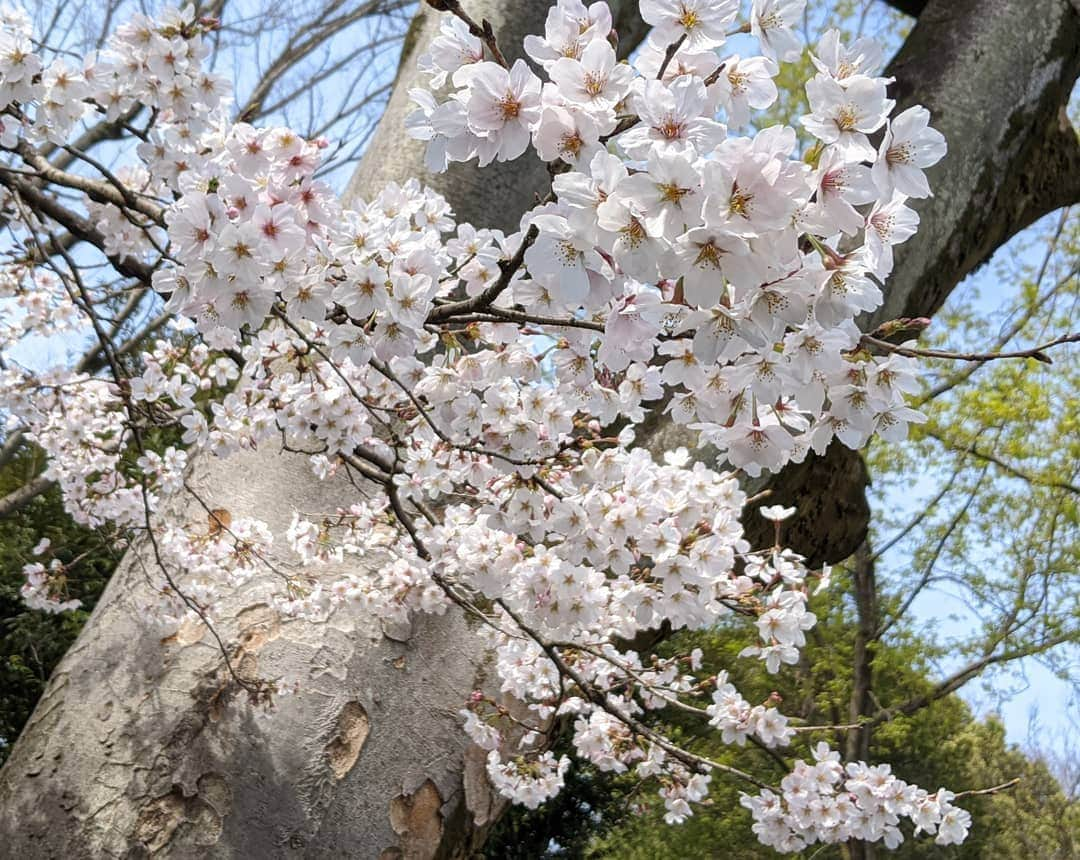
(965, 373)
(481, 31)
(483, 300)
(1036, 352)
(47, 205)
(908, 7)
(113, 192)
(669, 54)
(994, 789)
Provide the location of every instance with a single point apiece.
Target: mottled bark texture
(142, 747)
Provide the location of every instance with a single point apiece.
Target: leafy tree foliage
(32, 642)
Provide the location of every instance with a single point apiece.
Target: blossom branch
(1037, 352)
(481, 31)
(484, 300)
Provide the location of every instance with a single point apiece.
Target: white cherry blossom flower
(745, 84)
(503, 106)
(908, 148)
(703, 23)
(709, 258)
(595, 80)
(560, 259)
(842, 63)
(845, 115)
(569, 134)
(454, 48)
(841, 186)
(889, 223)
(773, 22)
(672, 120)
(775, 513)
(668, 196)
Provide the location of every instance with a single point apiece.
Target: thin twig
(481, 31)
(1036, 352)
(669, 55)
(994, 789)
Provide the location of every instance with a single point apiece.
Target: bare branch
(18, 499)
(1009, 468)
(1037, 352)
(481, 31)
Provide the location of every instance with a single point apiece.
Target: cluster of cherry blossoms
(41, 579)
(830, 803)
(77, 422)
(487, 386)
(708, 253)
(157, 63)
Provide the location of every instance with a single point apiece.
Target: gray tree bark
(141, 746)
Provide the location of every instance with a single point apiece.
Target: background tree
(32, 641)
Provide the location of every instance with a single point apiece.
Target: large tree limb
(77, 225)
(908, 7)
(17, 499)
(996, 76)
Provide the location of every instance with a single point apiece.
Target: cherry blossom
(703, 23)
(845, 115)
(773, 22)
(909, 146)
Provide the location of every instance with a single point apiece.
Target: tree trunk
(857, 746)
(140, 745)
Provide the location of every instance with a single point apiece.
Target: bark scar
(353, 728)
(417, 818)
